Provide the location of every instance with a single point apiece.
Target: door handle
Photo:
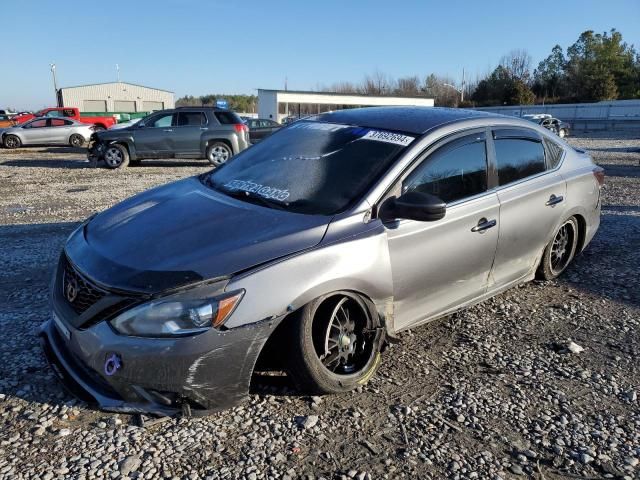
(204, 128)
(168, 130)
(553, 200)
(484, 224)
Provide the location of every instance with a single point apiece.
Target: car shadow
(612, 170)
(52, 163)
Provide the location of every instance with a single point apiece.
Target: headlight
(173, 316)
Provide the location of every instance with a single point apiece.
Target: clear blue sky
(198, 47)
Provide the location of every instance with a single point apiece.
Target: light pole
(55, 83)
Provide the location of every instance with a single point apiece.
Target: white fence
(619, 114)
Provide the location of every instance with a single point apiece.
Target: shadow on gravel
(631, 171)
(615, 149)
(607, 268)
(79, 151)
(172, 162)
(53, 163)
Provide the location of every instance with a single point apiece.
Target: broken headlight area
(178, 315)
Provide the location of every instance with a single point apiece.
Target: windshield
(310, 167)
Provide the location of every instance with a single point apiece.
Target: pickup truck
(100, 123)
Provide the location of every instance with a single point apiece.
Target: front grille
(78, 291)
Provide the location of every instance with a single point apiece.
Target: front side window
(58, 122)
(190, 119)
(37, 124)
(519, 155)
(309, 167)
(162, 121)
(455, 171)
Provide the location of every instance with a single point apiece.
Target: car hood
(183, 233)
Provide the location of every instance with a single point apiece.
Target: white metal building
(277, 104)
(115, 97)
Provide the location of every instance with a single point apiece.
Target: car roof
(416, 120)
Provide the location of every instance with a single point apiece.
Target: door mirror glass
(413, 205)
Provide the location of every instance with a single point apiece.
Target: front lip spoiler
(79, 384)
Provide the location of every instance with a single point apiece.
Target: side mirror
(422, 207)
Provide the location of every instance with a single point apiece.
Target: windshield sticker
(328, 127)
(262, 190)
(388, 137)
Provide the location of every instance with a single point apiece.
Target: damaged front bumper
(189, 375)
(95, 149)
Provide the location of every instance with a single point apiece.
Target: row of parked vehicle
(209, 133)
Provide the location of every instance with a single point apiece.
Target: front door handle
(484, 224)
(168, 130)
(553, 200)
(204, 128)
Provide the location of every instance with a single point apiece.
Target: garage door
(95, 105)
(126, 106)
(148, 106)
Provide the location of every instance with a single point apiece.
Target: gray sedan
(47, 131)
(308, 251)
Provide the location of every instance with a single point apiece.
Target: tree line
(598, 66)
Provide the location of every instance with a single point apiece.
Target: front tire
(12, 141)
(76, 140)
(218, 153)
(116, 156)
(334, 344)
(562, 133)
(559, 253)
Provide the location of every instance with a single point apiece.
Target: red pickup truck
(100, 123)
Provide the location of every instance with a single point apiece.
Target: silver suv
(188, 132)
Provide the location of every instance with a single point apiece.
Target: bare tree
(518, 63)
(378, 83)
(408, 86)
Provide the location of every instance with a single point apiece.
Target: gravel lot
(490, 392)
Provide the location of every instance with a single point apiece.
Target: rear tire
(218, 153)
(560, 251)
(76, 140)
(334, 344)
(12, 141)
(116, 156)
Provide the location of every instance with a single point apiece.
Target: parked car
(186, 132)
(6, 121)
(100, 123)
(127, 124)
(557, 126)
(307, 250)
(260, 128)
(47, 131)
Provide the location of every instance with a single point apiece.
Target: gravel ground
(491, 392)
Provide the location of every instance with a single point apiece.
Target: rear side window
(453, 172)
(227, 118)
(58, 122)
(554, 153)
(519, 155)
(186, 119)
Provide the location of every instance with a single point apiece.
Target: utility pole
(55, 83)
(118, 72)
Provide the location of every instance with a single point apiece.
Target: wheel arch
(226, 141)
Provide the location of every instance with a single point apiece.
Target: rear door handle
(484, 224)
(204, 128)
(553, 200)
(168, 130)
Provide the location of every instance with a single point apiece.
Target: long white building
(277, 104)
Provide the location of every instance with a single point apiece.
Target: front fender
(358, 263)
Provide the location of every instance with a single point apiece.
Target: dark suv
(188, 132)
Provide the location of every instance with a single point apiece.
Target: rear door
(155, 138)
(531, 194)
(187, 132)
(60, 130)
